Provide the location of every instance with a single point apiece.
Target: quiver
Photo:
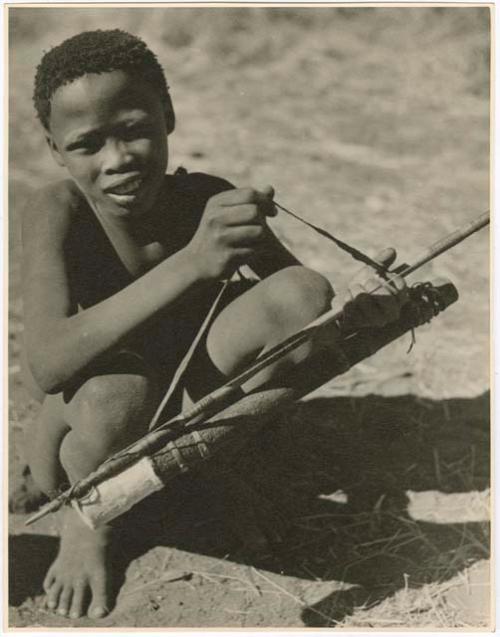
(186, 444)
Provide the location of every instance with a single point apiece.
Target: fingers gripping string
(354, 252)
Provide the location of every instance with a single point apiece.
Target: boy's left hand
(364, 308)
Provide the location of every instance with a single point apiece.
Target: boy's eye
(136, 132)
(90, 144)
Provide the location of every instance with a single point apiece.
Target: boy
(121, 265)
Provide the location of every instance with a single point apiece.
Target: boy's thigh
(264, 314)
(202, 375)
(254, 315)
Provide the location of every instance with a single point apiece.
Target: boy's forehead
(103, 92)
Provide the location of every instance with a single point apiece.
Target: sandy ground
(374, 124)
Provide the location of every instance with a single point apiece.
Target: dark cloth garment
(97, 272)
(201, 376)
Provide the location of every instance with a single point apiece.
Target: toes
(53, 595)
(78, 600)
(97, 611)
(65, 600)
(99, 607)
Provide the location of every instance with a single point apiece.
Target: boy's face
(109, 131)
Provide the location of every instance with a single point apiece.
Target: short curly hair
(97, 51)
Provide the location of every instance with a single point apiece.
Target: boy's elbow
(49, 384)
(45, 375)
(52, 386)
(47, 349)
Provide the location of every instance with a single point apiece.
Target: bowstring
(351, 250)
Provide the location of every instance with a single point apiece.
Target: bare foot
(79, 573)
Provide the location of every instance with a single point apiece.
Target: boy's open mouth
(124, 192)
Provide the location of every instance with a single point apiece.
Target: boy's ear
(169, 115)
(54, 151)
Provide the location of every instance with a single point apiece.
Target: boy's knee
(107, 409)
(299, 295)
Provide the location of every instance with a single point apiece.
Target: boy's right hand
(231, 229)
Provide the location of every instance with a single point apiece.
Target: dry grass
(375, 124)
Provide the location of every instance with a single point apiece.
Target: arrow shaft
(217, 400)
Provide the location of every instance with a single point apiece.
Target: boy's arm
(60, 342)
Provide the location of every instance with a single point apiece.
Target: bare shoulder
(50, 211)
(57, 198)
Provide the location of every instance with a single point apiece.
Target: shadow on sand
(331, 477)
(38, 551)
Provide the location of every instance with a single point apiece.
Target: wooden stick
(294, 341)
(449, 241)
(228, 430)
(220, 398)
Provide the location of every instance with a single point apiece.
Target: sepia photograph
(249, 317)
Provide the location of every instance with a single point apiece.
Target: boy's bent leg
(104, 415)
(30, 490)
(42, 446)
(271, 311)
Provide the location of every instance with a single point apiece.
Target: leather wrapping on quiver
(226, 432)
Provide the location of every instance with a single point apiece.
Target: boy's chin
(125, 206)
(133, 204)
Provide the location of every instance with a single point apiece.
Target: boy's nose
(116, 156)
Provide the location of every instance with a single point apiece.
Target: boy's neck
(141, 227)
